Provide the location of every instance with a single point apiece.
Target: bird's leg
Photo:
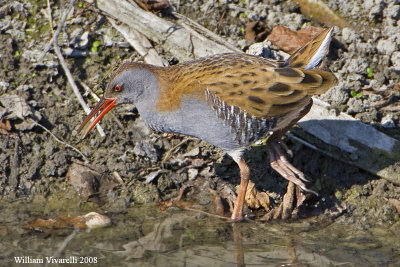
(279, 163)
(237, 214)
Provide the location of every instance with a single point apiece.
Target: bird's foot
(279, 163)
(175, 201)
(186, 205)
(289, 206)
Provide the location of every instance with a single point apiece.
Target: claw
(279, 163)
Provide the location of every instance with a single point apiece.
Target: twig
(291, 136)
(59, 28)
(67, 71)
(49, 15)
(169, 152)
(59, 140)
(89, 91)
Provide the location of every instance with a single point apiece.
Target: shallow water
(146, 236)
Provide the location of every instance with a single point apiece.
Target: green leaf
(96, 43)
(95, 46)
(353, 93)
(370, 73)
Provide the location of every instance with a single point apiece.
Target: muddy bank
(364, 56)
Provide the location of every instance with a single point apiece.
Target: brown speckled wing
(253, 84)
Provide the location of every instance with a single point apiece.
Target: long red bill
(104, 106)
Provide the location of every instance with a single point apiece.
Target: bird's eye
(117, 88)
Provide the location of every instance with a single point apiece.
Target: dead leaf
(153, 5)
(89, 220)
(288, 40)
(5, 127)
(61, 222)
(256, 31)
(251, 199)
(256, 199)
(264, 200)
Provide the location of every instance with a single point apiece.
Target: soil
(365, 56)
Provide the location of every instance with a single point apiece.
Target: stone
(388, 121)
(386, 46)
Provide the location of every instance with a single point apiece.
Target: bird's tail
(311, 55)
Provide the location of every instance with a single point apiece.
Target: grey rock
(373, 84)
(70, 52)
(395, 58)
(24, 87)
(3, 111)
(49, 168)
(355, 105)
(356, 65)
(192, 174)
(25, 125)
(5, 23)
(151, 176)
(80, 41)
(206, 172)
(49, 149)
(348, 35)
(393, 12)
(264, 50)
(335, 96)
(146, 149)
(374, 97)
(192, 153)
(75, 35)
(386, 46)
(375, 12)
(35, 57)
(4, 86)
(293, 20)
(16, 106)
(368, 4)
(388, 121)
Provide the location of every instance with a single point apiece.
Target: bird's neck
(147, 86)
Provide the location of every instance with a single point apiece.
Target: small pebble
(96, 220)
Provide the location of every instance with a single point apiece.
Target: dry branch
(139, 42)
(182, 43)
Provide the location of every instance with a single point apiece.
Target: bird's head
(126, 86)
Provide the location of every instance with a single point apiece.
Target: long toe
(279, 163)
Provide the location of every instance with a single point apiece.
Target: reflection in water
(146, 237)
(237, 237)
